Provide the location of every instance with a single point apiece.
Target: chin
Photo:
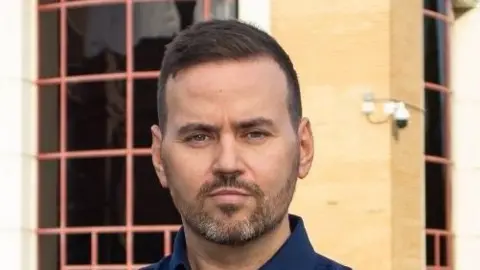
(234, 215)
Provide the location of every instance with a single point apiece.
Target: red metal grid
(446, 160)
(129, 152)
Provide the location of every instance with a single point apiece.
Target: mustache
(229, 181)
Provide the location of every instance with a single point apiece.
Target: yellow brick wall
(363, 201)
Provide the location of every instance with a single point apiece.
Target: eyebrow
(255, 122)
(197, 127)
(244, 124)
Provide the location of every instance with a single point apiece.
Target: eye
(197, 138)
(256, 135)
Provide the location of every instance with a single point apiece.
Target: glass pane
(96, 115)
(435, 5)
(49, 252)
(96, 191)
(111, 248)
(78, 249)
(155, 25)
(49, 118)
(435, 188)
(144, 111)
(430, 249)
(435, 121)
(49, 193)
(148, 247)
(215, 9)
(148, 193)
(444, 243)
(49, 44)
(435, 51)
(96, 39)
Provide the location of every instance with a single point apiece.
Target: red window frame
(129, 152)
(445, 160)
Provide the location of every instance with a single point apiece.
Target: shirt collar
(179, 259)
(296, 252)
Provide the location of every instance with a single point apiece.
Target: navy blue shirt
(296, 254)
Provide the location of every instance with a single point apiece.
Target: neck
(205, 255)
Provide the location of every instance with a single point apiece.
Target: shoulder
(324, 263)
(163, 264)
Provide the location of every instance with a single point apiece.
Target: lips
(229, 191)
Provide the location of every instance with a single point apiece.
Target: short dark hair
(217, 40)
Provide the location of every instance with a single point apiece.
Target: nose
(227, 159)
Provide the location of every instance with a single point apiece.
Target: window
(100, 204)
(437, 24)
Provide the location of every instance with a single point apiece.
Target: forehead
(234, 89)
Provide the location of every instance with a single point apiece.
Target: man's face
(229, 153)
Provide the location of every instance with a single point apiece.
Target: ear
(157, 155)
(306, 145)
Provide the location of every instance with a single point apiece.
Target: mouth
(229, 192)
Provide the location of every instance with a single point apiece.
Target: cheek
(185, 172)
(271, 167)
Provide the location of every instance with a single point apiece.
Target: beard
(269, 210)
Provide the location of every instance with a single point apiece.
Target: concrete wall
(18, 114)
(363, 202)
(466, 139)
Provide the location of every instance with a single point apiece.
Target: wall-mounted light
(394, 110)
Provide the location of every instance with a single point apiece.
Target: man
(230, 145)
